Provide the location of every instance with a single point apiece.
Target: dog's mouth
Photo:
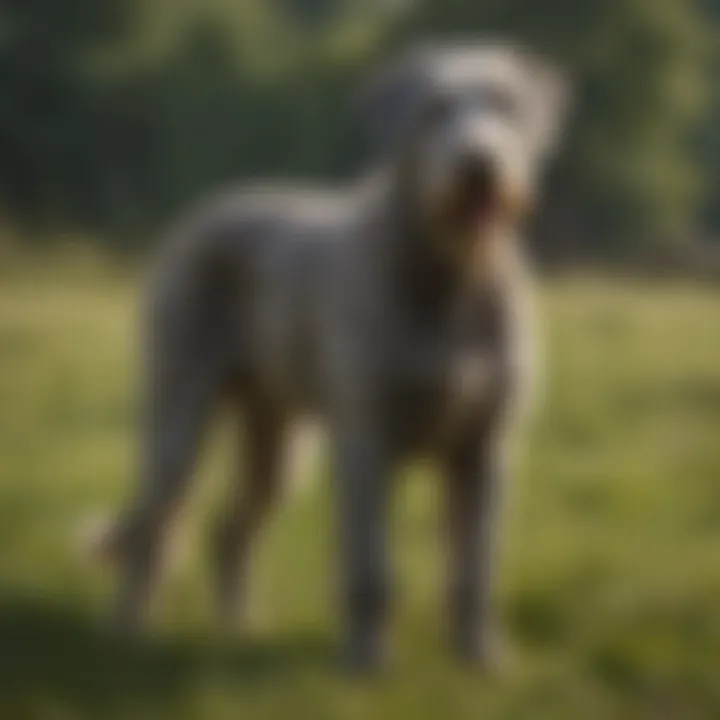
(476, 197)
(476, 209)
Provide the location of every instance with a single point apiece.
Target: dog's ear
(391, 99)
(551, 99)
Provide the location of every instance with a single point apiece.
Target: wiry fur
(371, 308)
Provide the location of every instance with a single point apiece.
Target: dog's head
(470, 126)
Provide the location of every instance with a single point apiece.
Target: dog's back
(260, 267)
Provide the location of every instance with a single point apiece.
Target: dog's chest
(448, 369)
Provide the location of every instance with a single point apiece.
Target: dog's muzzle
(476, 196)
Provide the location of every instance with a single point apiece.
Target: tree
(116, 114)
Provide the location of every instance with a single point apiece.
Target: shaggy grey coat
(393, 309)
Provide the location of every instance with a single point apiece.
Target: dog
(394, 309)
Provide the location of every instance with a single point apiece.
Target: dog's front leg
(361, 467)
(475, 476)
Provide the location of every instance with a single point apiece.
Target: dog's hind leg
(253, 496)
(183, 374)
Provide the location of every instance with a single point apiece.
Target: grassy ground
(611, 581)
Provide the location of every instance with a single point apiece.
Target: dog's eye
(500, 102)
(438, 109)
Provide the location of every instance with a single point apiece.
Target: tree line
(114, 115)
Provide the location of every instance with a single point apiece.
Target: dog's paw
(97, 538)
(491, 655)
(367, 655)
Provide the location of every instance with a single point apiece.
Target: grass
(611, 576)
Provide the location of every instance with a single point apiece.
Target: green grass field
(611, 578)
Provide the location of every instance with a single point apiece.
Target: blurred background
(117, 115)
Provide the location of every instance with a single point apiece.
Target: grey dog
(393, 309)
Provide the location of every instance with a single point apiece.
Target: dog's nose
(477, 172)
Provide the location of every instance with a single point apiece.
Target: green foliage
(115, 115)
